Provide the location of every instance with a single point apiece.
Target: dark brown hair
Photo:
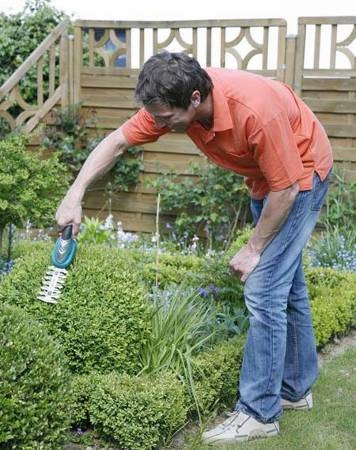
(170, 79)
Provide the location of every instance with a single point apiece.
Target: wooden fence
(99, 68)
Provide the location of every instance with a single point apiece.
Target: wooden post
(64, 70)
(299, 58)
(71, 69)
(281, 62)
(290, 59)
(77, 64)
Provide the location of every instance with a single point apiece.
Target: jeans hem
(260, 419)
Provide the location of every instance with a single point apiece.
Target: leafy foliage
(333, 314)
(138, 412)
(93, 232)
(102, 317)
(215, 202)
(215, 375)
(34, 385)
(75, 134)
(335, 249)
(68, 133)
(335, 246)
(340, 203)
(30, 186)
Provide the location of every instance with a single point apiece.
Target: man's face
(176, 119)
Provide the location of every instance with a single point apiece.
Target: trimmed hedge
(34, 385)
(141, 412)
(102, 317)
(216, 374)
(333, 302)
(138, 413)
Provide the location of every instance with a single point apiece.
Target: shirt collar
(221, 111)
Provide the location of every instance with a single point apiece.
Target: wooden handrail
(180, 23)
(33, 58)
(343, 20)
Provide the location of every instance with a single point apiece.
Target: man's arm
(100, 160)
(274, 213)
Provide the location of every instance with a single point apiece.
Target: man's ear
(195, 99)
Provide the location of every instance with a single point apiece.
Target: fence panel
(108, 55)
(325, 77)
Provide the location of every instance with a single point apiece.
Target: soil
(338, 346)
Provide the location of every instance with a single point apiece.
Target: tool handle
(64, 249)
(67, 232)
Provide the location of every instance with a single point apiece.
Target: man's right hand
(69, 212)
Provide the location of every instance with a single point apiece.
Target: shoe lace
(232, 416)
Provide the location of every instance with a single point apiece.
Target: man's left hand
(244, 262)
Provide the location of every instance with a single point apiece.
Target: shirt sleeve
(141, 129)
(276, 152)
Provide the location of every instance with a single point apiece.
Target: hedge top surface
(102, 316)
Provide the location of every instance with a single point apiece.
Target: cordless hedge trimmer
(62, 257)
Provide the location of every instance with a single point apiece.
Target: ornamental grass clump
(34, 385)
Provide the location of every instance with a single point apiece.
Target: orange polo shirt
(261, 130)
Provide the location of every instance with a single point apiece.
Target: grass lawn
(330, 425)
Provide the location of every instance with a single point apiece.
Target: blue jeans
(280, 358)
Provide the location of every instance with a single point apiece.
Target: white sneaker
(305, 403)
(239, 427)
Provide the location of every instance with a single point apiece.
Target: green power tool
(62, 257)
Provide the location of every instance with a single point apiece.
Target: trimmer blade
(52, 284)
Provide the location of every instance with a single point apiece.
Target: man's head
(171, 86)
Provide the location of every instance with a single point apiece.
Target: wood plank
(77, 64)
(341, 130)
(331, 118)
(107, 71)
(291, 47)
(166, 163)
(327, 95)
(109, 81)
(331, 84)
(331, 106)
(109, 92)
(181, 23)
(45, 108)
(52, 69)
(132, 222)
(344, 154)
(123, 201)
(329, 73)
(40, 82)
(98, 100)
(345, 20)
(341, 142)
(64, 70)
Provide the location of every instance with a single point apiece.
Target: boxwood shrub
(103, 314)
(333, 302)
(34, 385)
(138, 412)
(216, 373)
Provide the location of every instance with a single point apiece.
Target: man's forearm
(101, 159)
(274, 213)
